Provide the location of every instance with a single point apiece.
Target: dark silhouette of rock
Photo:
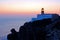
(34, 30)
(45, 29)
(53, 30)
(13, 35)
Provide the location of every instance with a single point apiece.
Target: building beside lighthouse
(45, 16)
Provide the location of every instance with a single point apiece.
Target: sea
(6, 24)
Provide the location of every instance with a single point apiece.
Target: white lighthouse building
(45, 16)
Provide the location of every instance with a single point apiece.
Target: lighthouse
(42, 11)
(43, 15)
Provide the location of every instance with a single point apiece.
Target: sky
(27, 7)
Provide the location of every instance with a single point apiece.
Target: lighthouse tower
(45, 16)
(42, 11)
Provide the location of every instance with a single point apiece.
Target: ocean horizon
(6, 24)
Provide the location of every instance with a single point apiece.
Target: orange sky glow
(13, 7)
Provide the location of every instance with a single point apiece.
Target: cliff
(45, 29)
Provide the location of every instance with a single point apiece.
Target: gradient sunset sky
(29, 6)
